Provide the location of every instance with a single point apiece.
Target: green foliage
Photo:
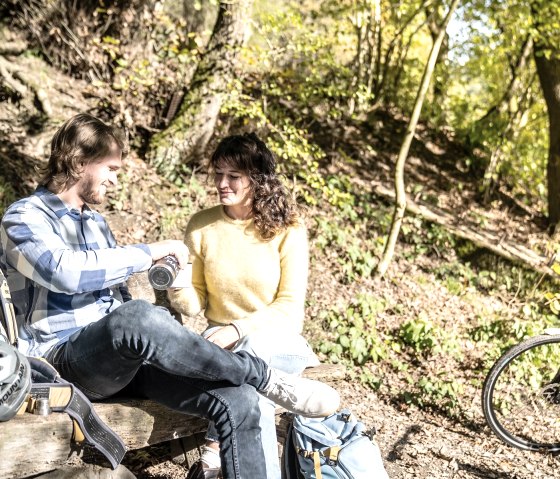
(483, 112)
(297, 45)
(350, 240)
(420, 335)
(439, 391)
(295, 49)
(427, 237)
(174, 217)
(141, 83)
(427, 339)
(497, 333)
(354, 326)
(546, 27)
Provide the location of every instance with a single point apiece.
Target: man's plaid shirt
(63, 267)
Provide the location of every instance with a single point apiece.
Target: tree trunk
(548, 70)
(400, 193)
(441, 80)
(187, 136)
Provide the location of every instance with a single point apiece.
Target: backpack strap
(331, 453)
(88, 426)
(317, 464)
(63, 396)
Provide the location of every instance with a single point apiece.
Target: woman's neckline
(234, 220)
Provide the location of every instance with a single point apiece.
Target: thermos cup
(164, 271)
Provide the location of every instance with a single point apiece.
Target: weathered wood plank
(143, 423)
(32, 444)
(326, 372)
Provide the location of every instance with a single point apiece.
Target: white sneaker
(306, 397)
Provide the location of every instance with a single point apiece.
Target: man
(67, 278)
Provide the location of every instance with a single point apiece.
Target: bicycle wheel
(521, 395)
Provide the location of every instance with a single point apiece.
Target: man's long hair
(81, 140)
(273, 208)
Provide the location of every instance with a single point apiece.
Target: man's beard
(90, 192)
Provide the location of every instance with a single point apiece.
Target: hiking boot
(306, 397)
(199, 470)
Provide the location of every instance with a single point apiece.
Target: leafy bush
(354, 327)
(425, 338)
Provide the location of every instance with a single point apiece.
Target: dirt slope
(415, 443)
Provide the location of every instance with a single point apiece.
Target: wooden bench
(31, 444)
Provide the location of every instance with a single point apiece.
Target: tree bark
(185, 139)
(441, 80)
(400, 193)
(548, 70)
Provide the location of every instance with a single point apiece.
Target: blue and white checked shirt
(63, 267)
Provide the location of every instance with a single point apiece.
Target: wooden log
(489, 240)
(141, 423)
(31, 444)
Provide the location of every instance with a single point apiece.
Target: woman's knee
(284, 346)
(258, 344)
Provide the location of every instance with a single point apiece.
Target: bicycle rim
(521, 395)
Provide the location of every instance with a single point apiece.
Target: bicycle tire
(534, 408)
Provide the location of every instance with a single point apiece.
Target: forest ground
(415, 442)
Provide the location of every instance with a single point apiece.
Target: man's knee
(139, 315)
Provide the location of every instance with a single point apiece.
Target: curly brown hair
(81, 140)
(273, 208)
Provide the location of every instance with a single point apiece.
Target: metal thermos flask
(164, 271)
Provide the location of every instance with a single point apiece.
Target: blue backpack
(334, 447)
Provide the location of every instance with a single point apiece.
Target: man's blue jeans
(143, 348)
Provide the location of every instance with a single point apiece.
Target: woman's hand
(224, 337)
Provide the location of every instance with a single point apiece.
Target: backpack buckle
(345, 416)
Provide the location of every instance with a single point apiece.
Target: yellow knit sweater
(238, 278)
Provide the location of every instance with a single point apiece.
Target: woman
(249, 274)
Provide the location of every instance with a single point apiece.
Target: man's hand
(174, 247)
(224, 337)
